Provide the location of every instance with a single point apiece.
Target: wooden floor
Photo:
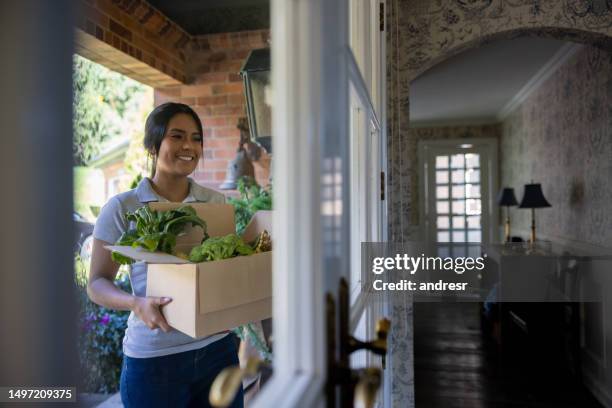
(456, 367)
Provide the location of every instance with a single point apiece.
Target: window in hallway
(457, 197)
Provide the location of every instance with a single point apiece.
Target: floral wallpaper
(421, 33)
(561, 137)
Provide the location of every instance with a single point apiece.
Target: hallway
(455, 366)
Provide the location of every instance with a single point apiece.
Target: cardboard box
(210, 297)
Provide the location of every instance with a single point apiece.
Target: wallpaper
(421, 33)
(561, 137)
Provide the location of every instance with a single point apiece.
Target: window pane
(458, 236)
(458, 176)
(459, 207)
(473, 207)
(441, 177)
(474, 236)
(442, 192)
(458, 192)
(457, 161)
(473, 221)
(472, 176)
(472, 190)
(443, 222)
(441, 162)
(443, 236)
(458, 222)
(442, 207)
(473, 160)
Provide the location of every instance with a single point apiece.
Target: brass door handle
(225, 387)
(379, 344)
(367, 387)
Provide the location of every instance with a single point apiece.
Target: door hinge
(382, 186)
(382, 16)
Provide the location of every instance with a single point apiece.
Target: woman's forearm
(104, 293)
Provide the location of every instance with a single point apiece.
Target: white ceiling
(480, 85)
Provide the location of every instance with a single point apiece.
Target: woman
(162, 367)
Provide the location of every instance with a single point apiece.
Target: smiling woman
(161, 366)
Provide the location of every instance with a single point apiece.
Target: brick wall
(135, 39)
(217, 95)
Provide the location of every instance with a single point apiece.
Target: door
(458, 188)
(328, 151)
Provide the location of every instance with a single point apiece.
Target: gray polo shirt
(139, 341)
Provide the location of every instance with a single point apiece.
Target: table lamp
(507, 199)
(533, 198)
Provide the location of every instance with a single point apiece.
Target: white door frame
(310, 77)
(488, 148)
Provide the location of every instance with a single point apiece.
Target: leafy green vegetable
(253, 198)
(156, 230)
(217, 248)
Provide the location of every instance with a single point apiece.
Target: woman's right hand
(148, 310)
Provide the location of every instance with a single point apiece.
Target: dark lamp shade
(533, 197)
(506, 198)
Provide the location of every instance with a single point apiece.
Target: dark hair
(157, 123)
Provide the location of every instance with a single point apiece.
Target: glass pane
(443, 222)
(441, 177)
(443, 236)
(457, 161)
(473, 207)
(459, 207)
(458, 192)
(473, 160)
(474, 236)
(458, 176)
(442, 192)
(473, 221)
(458, 222)
(441, 162)
(472, 176)
(458, 236)
(472, 190)
(442, 207)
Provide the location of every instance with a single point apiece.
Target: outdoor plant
(100, 336)
(253, 198)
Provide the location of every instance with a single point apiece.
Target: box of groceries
(217, 280)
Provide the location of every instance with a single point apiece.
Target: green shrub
(100, 336)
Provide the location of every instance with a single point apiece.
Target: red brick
(235, 77)
(203, 111)
(215, 164)
(219, 176)
(236, 100)
(196, 90)
(223, 89)
(213, 77)
(223, 143)
(226, 132)
(188, 101)
(227, 110)
(224, 154)
(214, 122)
(212, 100)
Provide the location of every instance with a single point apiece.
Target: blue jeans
(177, 380)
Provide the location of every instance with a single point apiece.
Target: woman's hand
(148, 310)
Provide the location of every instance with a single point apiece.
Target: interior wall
(561, 137)
(435, 133)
